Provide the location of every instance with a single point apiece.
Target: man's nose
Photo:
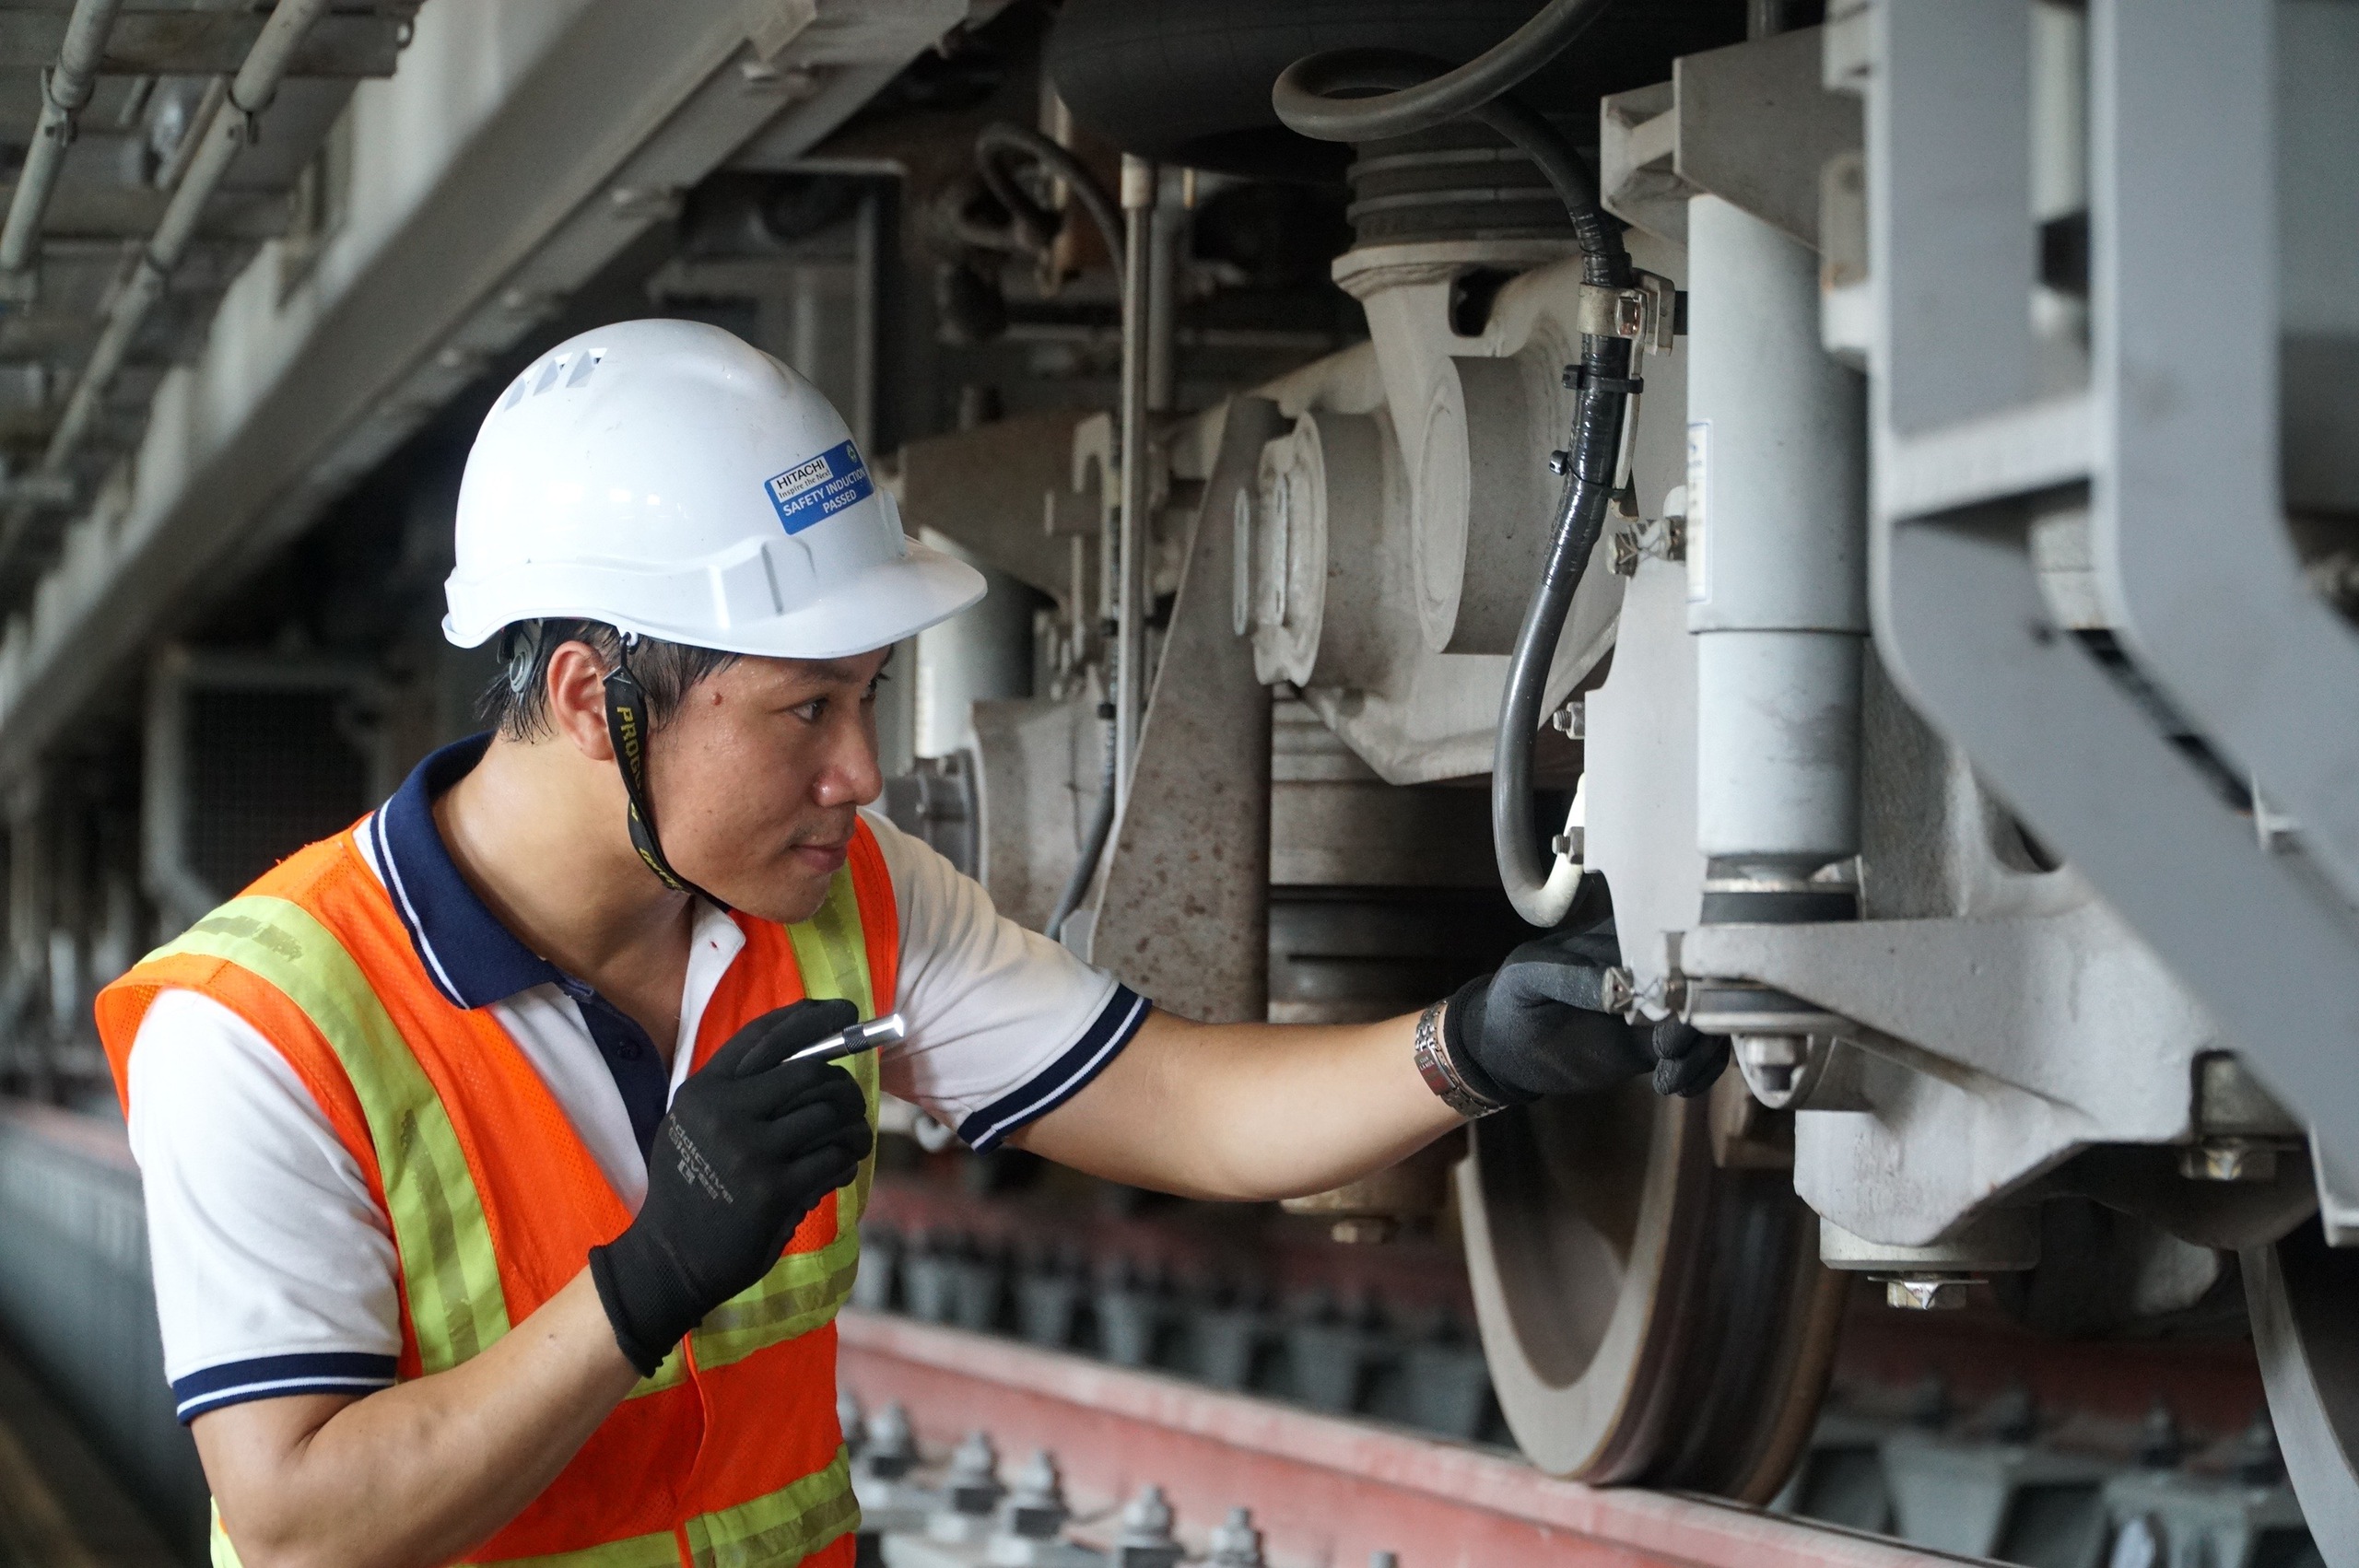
(850, 774)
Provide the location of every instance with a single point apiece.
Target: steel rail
(1324, 1489)
(65, 89)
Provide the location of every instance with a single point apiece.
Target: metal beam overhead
(502, 205)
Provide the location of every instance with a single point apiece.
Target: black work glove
(1539, 1027)
(751, 1144)
(1687, 1062)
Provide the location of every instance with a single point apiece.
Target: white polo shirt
(274, 1266)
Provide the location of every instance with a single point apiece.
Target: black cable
(1300, 94)
(1036, 223)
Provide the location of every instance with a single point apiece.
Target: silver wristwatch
(1441, 1075)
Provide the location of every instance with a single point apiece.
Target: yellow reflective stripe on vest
(832, 950)
(661, 1549)
(806, 1289)
(803, 1291)
(852, 1200)
(444, 1244)
(456, 1303)
(780, 1529)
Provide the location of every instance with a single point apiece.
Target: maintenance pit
(1953, 697)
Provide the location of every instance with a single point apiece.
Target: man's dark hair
(516, 704)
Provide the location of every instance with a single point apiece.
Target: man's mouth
(822, 857)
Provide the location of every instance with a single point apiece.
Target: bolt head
(2228, 1159)
(1773, 1050)
(1929, 1295)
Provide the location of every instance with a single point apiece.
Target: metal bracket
(1664, 539)
(1646, 312)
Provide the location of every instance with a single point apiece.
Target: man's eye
(810, 711)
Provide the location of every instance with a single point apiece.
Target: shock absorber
(1776, 561)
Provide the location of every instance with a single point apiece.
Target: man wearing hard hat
(493, 1214)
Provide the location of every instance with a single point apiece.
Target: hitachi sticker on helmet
(812, 491)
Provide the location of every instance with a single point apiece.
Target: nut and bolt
(2228, 1159)
(972, 1486)
(1235, 1543)
(1035, 1508)
(1572, 719)
(1927, 1293)
(1772, 1062)
(889, 1449)
(1145, 1540)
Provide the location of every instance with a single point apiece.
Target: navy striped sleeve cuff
(1063, 1078)
(272, 1377)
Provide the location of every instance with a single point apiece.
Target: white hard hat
(669, 479)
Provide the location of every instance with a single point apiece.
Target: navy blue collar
(472, 958)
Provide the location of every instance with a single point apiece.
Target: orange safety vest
(730, 1455)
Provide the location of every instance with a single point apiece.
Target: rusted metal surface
(1184, 914)
(1325, 1490)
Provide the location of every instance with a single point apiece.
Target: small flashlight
(889, 1030)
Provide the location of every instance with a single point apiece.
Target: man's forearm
(1247, 1110)
(415, 1475)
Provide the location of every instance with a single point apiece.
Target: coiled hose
(1434, 96)
(995, 146)
(1542, 892)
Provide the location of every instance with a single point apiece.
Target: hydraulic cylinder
(1776, 558)
(1777, 599)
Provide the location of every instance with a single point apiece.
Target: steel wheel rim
(2304, 1300)
(1648, 1317)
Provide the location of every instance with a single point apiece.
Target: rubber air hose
(994, 142)
(1542, 893)
(1301, 97)
(997, 140)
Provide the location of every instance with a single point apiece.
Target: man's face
(755, 781)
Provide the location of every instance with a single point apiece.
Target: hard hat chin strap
(627, 729)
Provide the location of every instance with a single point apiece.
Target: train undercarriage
(1868, 493)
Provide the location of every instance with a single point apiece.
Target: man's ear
(577, 699)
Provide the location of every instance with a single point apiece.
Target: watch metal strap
(1440, 1075)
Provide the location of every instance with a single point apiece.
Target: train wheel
(2304, 1298)
(1648, 1316)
